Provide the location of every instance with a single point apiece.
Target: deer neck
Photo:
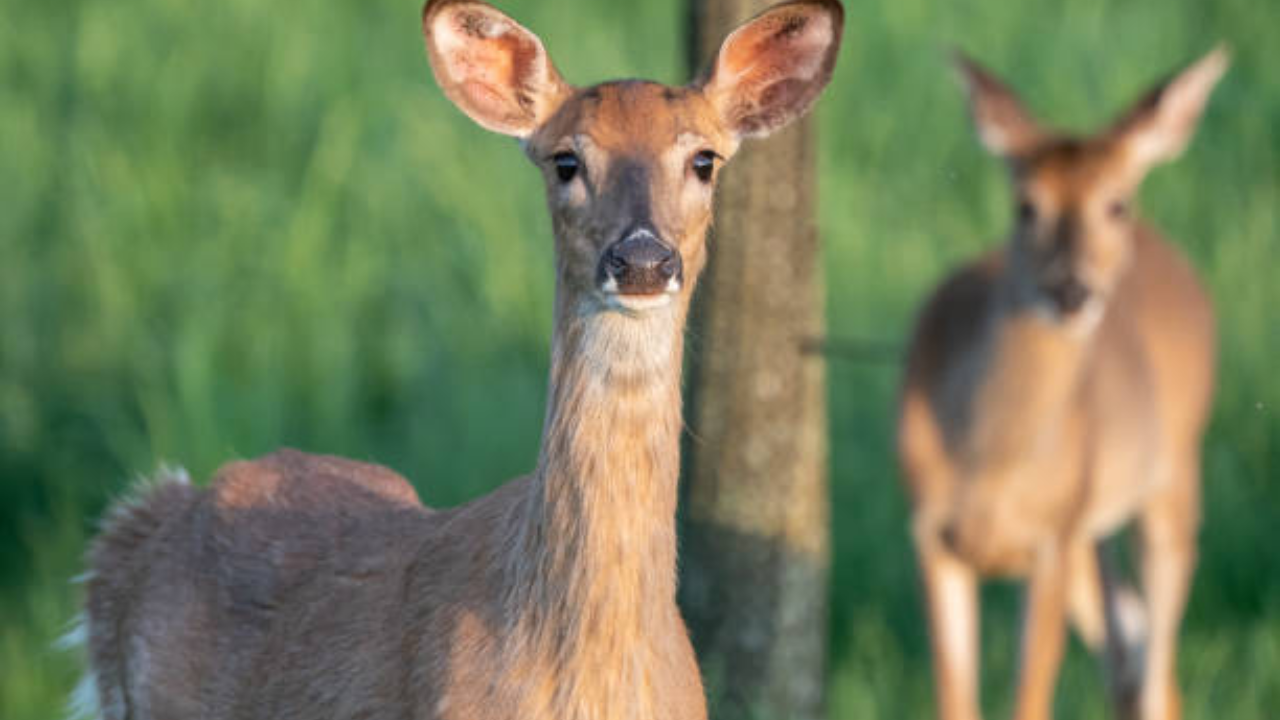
(597, 542)
(1028, 385)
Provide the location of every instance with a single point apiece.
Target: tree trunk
(755, 586)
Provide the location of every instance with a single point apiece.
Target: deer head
(630, 166)
(1071, 240)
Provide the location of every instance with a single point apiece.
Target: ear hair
(770, 70)
(1004, 126)
(492, 68)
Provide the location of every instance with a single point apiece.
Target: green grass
(226, 227)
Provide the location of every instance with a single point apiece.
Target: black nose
(640, 264)
(1068, 296)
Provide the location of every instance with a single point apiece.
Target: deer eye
(704, 165)
(1118, 209)
(566, 165)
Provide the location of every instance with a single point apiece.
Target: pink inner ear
(486, 99)
(493, 69)
(791, 45)
(491, 64)
(479, 51)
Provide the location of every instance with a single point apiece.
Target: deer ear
(770, 70)
(494, 70)
(1004, 126)
(1159, 127)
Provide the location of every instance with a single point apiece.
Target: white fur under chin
(1080, 324)
(1087, 318)
(637, 303)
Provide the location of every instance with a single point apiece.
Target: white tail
(1055, 390)
(83, 703)
(301, 586)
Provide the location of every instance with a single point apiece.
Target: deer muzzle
(640, 264)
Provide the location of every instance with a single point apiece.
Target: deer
(1055, 392)
(309, 586)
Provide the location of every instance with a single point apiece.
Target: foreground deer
(300, 586)
(1055, 390)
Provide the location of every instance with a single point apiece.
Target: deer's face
(1072, 238)
(630, 166)
(630, 169)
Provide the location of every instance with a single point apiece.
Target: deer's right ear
(494, 70)
(1005, 128)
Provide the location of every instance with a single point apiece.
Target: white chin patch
(637, 303)
(1085, 320)
(1080, 323)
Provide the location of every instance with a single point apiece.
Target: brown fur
(303, 586)
(1030, 431)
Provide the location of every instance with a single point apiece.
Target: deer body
(563, 581)
(1040, 430)
(1057, 389)
(304, 586)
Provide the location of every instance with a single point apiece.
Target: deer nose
(1068, 296)
(640, 264)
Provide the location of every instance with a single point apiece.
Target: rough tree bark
(755, 586)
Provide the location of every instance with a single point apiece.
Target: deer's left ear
(771, 69)
(1159, 127)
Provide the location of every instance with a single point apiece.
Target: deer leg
(1043, 635)
(1168, 528)
(1085, 595)
(951, 590)
(1110, 619)
(1126, 635)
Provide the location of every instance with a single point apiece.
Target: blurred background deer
(304, 586)
(1056, 389)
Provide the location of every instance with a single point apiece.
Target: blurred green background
(230, 226)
